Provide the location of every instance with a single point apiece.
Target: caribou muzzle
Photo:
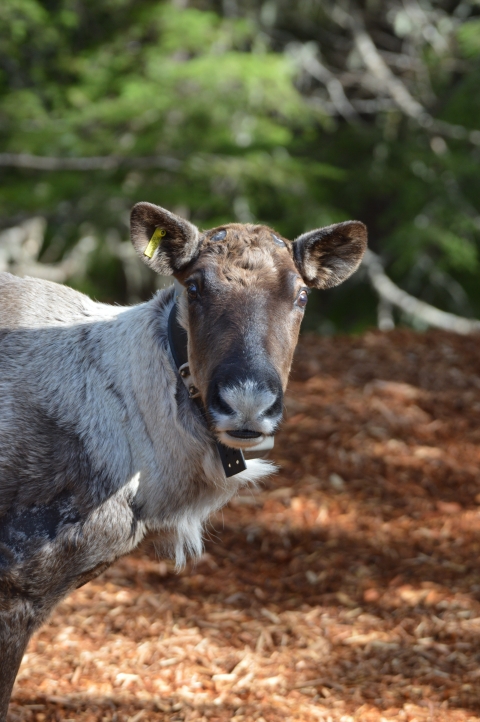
(244, 407)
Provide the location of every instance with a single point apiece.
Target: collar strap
(178, 340)
(233, 460)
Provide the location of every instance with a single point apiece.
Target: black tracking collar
(233, 461)
(177, 338)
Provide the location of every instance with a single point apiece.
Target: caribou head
(245, 295)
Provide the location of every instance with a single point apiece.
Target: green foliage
(469, 38)
(244, 133)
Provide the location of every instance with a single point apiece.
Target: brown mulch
(346, 588)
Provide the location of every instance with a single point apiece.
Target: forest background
(294, 114)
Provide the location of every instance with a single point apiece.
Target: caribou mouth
(245, 434)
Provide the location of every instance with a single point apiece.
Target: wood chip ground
(346, 588)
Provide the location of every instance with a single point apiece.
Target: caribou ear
(327, 256)
(164, 241)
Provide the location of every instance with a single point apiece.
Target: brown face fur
(247, 286)
(243, 322)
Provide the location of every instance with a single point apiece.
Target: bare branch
(401, 60)
(392, 85)
(317, 70)
(373, 105)
(368, 106)
(107, 162)
(378, 67)
(385, 320)
(390, 293)
(20, 247)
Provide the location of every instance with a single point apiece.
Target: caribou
(122, 422)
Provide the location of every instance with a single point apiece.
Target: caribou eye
(192, 290)
(302, 298)
(278, 241)
(219, 236)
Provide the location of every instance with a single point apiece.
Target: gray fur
(99, 445)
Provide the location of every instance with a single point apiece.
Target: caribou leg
(17, 623)
(23, 609)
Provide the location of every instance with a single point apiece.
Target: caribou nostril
(220, 405)
(276, 408)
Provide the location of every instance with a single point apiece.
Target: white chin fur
(189, 527)
(256, 470)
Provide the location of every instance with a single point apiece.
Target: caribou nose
(246, 408)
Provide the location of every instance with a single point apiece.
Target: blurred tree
(296, 115)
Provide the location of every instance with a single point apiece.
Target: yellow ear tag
(154, 242)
